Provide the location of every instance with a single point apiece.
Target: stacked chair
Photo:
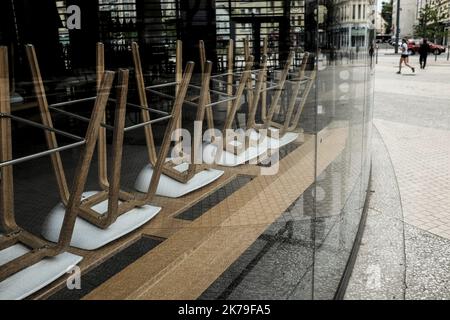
(178, 179)
(111, 213)
(282, 134)
(28, 262)
(89, 220)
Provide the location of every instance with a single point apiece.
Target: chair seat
(286, 139)
(28, 281)
(89, 237)
(229, 159)
(172, 188)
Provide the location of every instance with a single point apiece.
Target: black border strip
(342, 288)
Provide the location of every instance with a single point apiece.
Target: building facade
(380, 24)
(353, 19)
(443, 7)
(408, 17)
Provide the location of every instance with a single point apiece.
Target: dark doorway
(258, 28)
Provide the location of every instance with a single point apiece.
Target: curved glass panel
(271, 221)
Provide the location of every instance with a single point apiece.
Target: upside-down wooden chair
(287, 130)
(251, 91)
(237, 146)
(28, 262)
(109, 214)
(230, 149)
(178, 179)
(220, 149)
(271, 133)
(281, 134)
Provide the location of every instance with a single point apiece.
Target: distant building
(380, 24)
(256, 20)
(444, 11)
(408, 17)
(354, 18)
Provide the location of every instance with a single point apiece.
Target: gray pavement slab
(405, 249)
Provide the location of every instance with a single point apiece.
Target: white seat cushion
(172, 188)
(89, 237)
(29, 280)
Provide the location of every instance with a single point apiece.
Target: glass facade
(278, 229)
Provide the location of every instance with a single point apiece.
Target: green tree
(430, 24)
(386, 14)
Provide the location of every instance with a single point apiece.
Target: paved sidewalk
(412, 186)
(412, 115)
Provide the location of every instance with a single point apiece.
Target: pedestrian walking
(423, 51)
(404, 59)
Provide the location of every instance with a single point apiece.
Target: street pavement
(405, 251)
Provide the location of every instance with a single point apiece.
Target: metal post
(397, 31)
(376, 56)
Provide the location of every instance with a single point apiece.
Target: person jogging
(404, 57)
(423, 51)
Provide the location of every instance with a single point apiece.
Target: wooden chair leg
(167, 170)
(47, 121)
(209, 111)
(117, 147)
(22, 262)
(82, 169)
(294, 95)
(251, 121)
(8, 240)
(230, 68)
(176, 112)
(114, 193)
(178, 79)
(102, 144)
(237, 101)
(145, 114)
(7, 220)
(304, 99)
(278, 91)
(203, 101)
(264, 94)
(239, 92)
(247, 54)
(39, 250)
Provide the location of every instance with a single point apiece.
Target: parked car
(392, 43)
(437, 49)
(414, 45)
